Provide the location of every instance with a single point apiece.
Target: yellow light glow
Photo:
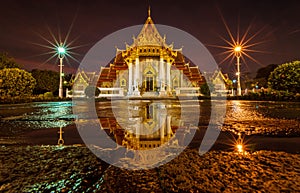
(240, 148)
(238, 48)
(241, 45)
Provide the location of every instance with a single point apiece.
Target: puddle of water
(250, 117)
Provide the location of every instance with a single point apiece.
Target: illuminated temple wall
(149, 66)
(151, 75)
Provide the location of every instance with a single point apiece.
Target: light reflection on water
(18, 118)
(250, 117)
(266, 118)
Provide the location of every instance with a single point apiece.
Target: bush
(48, 95)
(206, 89)
(91, 91)
(15, 82)
(286, 77)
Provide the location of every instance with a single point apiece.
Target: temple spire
(149, 11)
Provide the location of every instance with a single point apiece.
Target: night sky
(23, 22)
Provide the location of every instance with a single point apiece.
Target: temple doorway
(149, 81)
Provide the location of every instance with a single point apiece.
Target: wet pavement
(263, 118)
(30, 160)
(16, 119)
(281, 119)
(76, 169)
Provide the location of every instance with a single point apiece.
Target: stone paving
(76, 169)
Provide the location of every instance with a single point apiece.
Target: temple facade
(149, 67)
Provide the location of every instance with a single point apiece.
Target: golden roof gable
(149, 35)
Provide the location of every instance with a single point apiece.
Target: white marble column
(169, 129)
(137, 125)
(168, 76)
(137, 77)
(181, 78)
(137, 134)
(162, 75)
(162, 128)
(130, 78)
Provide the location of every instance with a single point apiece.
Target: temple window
(123, 82)
(80, 87)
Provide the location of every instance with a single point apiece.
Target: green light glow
(61, 50)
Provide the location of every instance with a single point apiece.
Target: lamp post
(238, 53)
(61, 54)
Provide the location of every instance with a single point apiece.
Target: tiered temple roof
(149, 43)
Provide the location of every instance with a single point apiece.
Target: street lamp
(60, 49)
(61, 54)
(238, 53)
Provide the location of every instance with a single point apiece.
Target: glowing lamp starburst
(61, 50)
(58, 46)
(240, 45)
(238, 49)
(240, 148)
(240, 145)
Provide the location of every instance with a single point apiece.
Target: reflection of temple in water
(152, 129)
(143, 125)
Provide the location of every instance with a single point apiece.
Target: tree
(263, 74)
(207, 88)
(46, 81)
(286, 77)
(15, 82)
(68, 81)
(7, 61)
